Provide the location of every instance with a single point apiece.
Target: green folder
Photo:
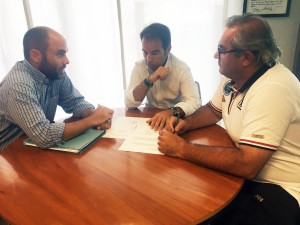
(77, 144)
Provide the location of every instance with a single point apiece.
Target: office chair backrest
(199, 90)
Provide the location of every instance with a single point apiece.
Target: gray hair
(255, 34)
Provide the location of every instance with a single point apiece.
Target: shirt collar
(169, 61)
(251, 81)
(36, 74)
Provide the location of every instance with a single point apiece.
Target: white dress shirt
(179, 89)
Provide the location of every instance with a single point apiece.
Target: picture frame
(267, 8)
(296, 67)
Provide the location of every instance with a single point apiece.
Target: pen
(175, 112)
(177, 120)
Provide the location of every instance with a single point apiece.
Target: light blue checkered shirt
(28, 102)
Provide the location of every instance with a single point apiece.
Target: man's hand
(99, 118)
(102, 117)
(170, 144)
(160, 74)
(176, 126)
(159, 121)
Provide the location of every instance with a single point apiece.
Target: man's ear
(248, 58)
(35, 56)
(168, 49)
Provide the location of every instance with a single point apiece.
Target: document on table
(138, 135)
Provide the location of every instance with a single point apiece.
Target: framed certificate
(268, 8)
(296, 67)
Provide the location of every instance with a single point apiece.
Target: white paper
(138, 135)
(122, 127)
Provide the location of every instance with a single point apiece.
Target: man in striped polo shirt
(259, 101)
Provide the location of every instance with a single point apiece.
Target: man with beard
(34, 87)
(163, 78)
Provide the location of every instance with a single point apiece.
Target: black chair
(3, 222)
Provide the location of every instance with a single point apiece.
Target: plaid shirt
(28, 102)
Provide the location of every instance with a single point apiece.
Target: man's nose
(216, 55)
(148, 57)
(66, 60)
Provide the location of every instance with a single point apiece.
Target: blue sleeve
(71, 100)
(24, 109)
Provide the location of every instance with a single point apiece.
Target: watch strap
(175, 111)
(148, 83)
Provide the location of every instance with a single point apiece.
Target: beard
(152, 67)
(51, 72)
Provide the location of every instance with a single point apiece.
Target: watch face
(175, 111)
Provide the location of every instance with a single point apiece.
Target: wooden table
(111, 187)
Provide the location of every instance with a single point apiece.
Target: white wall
(285, 31)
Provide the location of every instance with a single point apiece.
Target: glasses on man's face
(221, 50)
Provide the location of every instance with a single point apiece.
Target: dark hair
(157, 31)
(37, 38)
(255, 34)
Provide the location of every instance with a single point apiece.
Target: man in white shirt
(164, 79)
(259, 101)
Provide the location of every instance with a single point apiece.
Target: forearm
(140, 92)
(86, 113)
(203, 117)
(99, 118)
(229, 159)
(75, 128)
(233, 160)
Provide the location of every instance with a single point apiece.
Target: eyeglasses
(221, 50)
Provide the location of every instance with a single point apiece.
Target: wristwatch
(175, 111)
(148, 83)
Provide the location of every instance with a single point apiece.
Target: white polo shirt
(265, 113)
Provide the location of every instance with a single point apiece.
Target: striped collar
(251, 81)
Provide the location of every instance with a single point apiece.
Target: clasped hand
(161, 73)
(102, 117)
(168, 142)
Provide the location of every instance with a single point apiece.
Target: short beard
(48, 70)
